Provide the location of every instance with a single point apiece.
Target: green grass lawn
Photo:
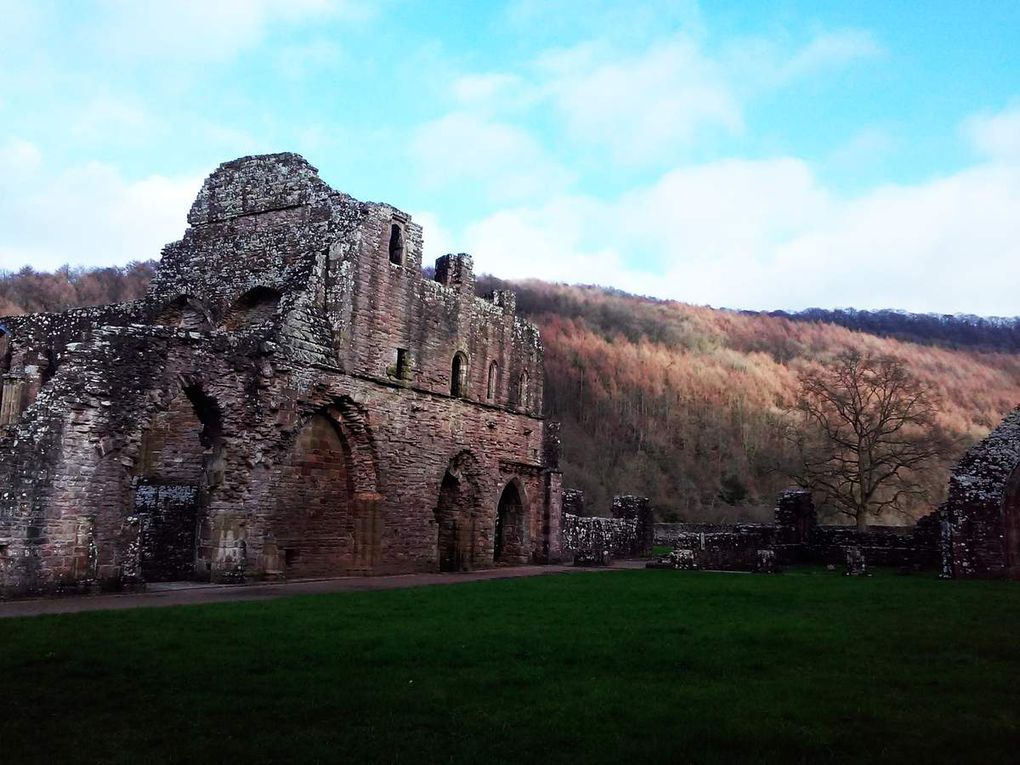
(629, 666)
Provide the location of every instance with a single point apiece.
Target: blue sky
(754, 155)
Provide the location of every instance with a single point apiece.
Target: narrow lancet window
(396, 244)
(458, 375)
(490, 392)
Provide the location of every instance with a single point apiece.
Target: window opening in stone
(253, 307)
(396, 244)
(522, 391)
(402, 368)
(490, 391)
(183, 312)
(458, 375)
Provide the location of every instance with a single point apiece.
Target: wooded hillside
(669, 400)
(681, 402)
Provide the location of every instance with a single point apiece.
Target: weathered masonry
(981, 517)
(290, 399)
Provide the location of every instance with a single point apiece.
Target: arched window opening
(254, 307)
(490, 391)
(523, 398)
(184, 312)
(396, 244)
(458, 375)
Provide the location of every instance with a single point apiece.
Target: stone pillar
(795, 517)
(855, 565)
(638, 509)
(573, 502)
(456, 271)
(552, 522)
(551, 444)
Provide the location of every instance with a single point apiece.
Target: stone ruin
(292, 398)
(596, 540)
(981, 517)
(795, 536)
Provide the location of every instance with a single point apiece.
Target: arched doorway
(1011, 523)
(180, 460)
(510, 537)
(456, 514)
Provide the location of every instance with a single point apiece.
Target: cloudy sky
(804, 154)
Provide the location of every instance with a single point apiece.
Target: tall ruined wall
(391, 307)
(981, 516)
(238, 422)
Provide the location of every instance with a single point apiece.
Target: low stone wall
(796, 537)
(596, 540)
(733, 550)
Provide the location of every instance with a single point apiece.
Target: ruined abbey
(292, 398)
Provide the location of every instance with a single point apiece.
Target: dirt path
(190, 593)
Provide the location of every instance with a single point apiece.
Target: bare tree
(865, 430)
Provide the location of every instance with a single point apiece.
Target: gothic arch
(177, 466)
(186, 312)
(457, 514)
(324, 516)
(256, 306)
(510, 534)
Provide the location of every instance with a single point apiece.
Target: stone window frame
(491, 384)
(459, 375)
(397, 248)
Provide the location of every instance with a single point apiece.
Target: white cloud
(502, 161)
(201, 30)
(768, 234)
(85, 215)
(996, 135)
(643, 106)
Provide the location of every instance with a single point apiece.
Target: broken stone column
(765, 562)
(855, 565)
(638, 509)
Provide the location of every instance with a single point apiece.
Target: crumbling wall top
(257, 184)
(982, 473)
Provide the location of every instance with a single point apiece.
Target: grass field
(627, 666)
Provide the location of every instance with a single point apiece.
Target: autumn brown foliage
(677, 402)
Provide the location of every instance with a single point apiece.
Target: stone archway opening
(456, 515)
(179, 463)
(1011, 524)
(510, 537)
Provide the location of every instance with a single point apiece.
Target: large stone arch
(510, 538)
(178, 464)
(981, 529)
(457, 514)
(322, 514)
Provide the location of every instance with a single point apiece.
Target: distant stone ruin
(981, 517)
(290, 399)
(794, 537)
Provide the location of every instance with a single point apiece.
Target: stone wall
(596, 540)
(256, 392)
(796, 537)
(981, 516)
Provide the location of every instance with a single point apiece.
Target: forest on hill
(677, 402)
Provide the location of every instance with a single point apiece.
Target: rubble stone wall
(981, 516)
